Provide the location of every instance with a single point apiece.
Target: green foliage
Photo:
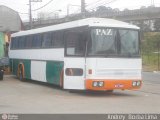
(150, 47)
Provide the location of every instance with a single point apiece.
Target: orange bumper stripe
(112, 84)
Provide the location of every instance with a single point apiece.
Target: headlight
(101, 84)
(95, 84)
(134, 83)
(98, 84)
(138, 83)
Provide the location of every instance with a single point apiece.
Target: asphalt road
(151, 77)
(35, 97)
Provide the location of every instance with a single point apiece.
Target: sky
(60, 6)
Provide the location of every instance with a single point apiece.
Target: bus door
(74, 61)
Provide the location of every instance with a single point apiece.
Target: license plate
(119, 86)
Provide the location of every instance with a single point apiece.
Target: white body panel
(38, 54)
(114, 68)
(102, 69)
(38, 70)
(74, 82)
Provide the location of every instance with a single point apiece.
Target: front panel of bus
(113, 59)
(104, 59)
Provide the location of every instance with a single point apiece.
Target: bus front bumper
(103, 85)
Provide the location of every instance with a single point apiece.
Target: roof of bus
(91, 22)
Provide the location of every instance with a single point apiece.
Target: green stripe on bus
(15, 66)
(53, 71)
(27, 67)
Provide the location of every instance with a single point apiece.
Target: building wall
(9, 20)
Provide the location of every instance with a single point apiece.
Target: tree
(101, 9)
(116, 10)
(143, 7)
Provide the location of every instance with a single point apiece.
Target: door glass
(75, 45)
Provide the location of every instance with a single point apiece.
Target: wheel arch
(62, 78)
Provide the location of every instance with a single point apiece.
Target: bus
(89, 54)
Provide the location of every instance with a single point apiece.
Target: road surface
(35, 97)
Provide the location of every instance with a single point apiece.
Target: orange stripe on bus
(112, 84)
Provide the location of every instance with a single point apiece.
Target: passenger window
(47, 40)
(15, 43)
(12, 43)
(28, 42)
(21, 42)
(57, 40)
(36, 41)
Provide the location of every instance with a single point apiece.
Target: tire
(1, 74)
(109, 91)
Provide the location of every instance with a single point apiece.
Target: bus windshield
(113, 42)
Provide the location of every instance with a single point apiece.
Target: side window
(15, 43)
(47, 40)
(75, 43)
(28, 41)
(12, 42)
(21, 42)
(36, 41)
(57, 40)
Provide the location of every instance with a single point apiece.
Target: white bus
(88, 54)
